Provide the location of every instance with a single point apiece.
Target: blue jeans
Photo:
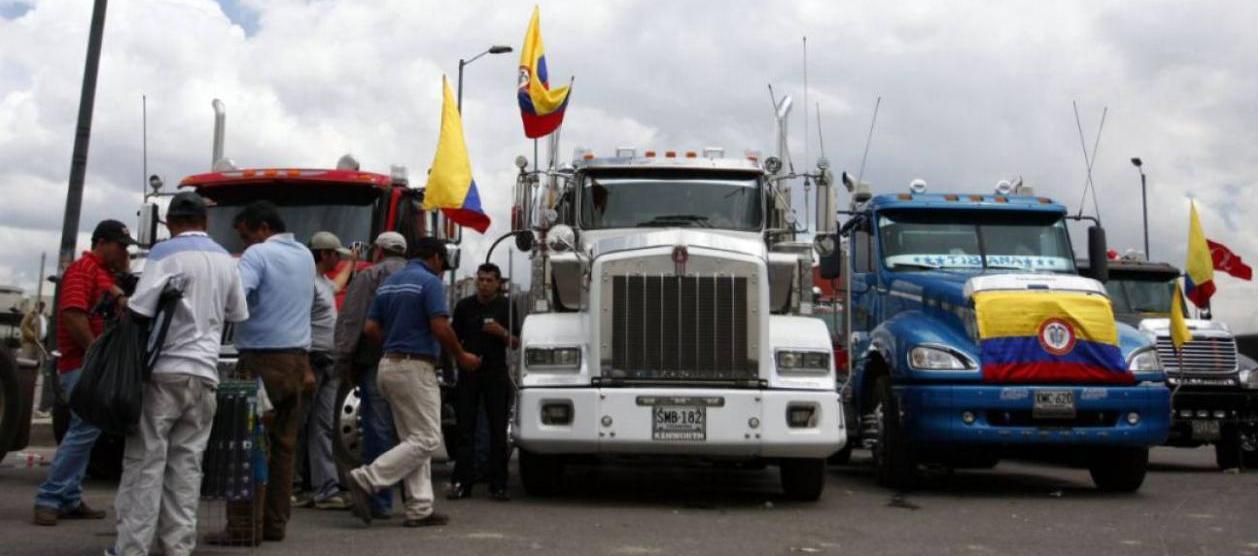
(63, 489)
(379, 434)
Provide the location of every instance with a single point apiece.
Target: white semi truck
(667, 316)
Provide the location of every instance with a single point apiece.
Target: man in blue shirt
(277, 274)
(410, 318)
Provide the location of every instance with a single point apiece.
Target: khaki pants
(410, 386)
(161, 474)
(282, 375)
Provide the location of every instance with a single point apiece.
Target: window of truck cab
(974, 240)
(649, 197)
(348, 210)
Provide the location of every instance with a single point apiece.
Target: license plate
(679, 423)
(1205, 430)
(1054, 404)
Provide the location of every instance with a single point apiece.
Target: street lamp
(496, 49)
(1144, 203)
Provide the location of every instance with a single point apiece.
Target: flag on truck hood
(1044, 337)
(541, 107)
(1229, 262)
(450, 184)
(1199, 272)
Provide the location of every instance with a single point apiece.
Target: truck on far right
(1214, 388)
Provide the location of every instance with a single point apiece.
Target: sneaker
(459, 491)
(303, 499)
(45, 516)
(433, 520)
(335, 502)
(361, 498)
(82, 511)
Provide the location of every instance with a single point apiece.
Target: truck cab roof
(296, 176)
(964, 201)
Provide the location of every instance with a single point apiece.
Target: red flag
(1229, 262)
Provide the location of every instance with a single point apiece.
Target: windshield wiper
(1009, 267)
(677, 219)
(923, 266)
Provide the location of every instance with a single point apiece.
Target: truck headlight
(1144, 360)
(1249, 379)
(553, 357)
(793, 361)
(927, 358)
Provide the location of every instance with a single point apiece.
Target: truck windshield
(653, 198)
(350, 223)
(974, 240)
(1141, 296)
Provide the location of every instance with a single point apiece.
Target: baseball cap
(112, 230)
(392, 242)
(186, 204)
(327, 241)
(433, 245)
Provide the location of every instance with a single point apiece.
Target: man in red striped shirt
(87, 295)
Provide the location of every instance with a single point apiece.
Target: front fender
(909, 329)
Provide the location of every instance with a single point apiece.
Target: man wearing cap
(87, 295)
(357, 360)
(161, 474)
(410, 318)
(277, 274)
(327, 251)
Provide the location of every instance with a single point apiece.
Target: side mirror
(524, 241)
(1098, 253)
(146, 235)
(831, 263)
(454, 254)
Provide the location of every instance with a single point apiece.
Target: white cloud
(972, 93)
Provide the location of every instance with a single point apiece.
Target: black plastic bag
(110, 390)
(111, 384)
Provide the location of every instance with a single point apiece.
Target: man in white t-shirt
(161, 477)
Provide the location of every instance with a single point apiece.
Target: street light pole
(1144, 203)
(496, 49)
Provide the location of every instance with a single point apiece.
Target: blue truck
(973, 338)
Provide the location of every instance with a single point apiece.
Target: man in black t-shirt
(481, 322)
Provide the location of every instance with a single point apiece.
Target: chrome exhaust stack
(220, 130)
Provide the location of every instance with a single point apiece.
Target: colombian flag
(1199, 272)
(541, 107)
(450, 185)
(1043, 337)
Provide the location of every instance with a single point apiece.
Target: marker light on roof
(917, 186)
(670, 154)
(649, 153)
(691, 154)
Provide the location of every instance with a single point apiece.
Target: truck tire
(1227, 451)
(10, 405)
(1119, 469)
(803, 479)
(894, 463)
(541, 475)
(843, 456)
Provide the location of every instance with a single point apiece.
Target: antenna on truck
(869, 138)
(1088, 161)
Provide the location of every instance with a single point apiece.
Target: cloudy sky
(972, 93)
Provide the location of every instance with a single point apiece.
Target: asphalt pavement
(1186, 506)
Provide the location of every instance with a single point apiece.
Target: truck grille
(1201, 355)
(680, 328)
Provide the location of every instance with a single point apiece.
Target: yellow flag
(450, 185)
(1180, 334)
